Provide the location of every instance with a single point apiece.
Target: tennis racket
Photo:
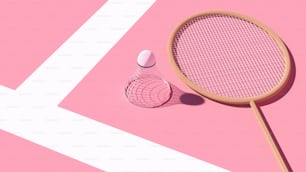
(233, 59)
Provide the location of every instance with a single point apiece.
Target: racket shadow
(282, 92)
(275, 98)
(275, 141)
(286, 87)
(178, 96)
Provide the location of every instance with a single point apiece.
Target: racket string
(255, 63)
(228, 53)
(227, 50)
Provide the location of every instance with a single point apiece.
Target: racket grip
(271, 138)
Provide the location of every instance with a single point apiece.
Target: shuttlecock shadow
(152, 91)
(178, 96)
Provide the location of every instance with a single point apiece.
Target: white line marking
(91, 142)
(31, 112)
(68, 65)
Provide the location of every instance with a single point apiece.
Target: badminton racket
(233, 59)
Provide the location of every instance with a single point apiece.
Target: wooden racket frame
(252, 101)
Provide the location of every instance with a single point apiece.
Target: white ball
(146, 58)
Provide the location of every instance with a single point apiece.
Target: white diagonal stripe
(66, 67)
(91, 142)
(31, 112)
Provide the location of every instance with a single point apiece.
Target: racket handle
(271, 138)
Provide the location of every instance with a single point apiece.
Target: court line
(31, 111)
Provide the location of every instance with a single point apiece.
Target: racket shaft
(270, 137)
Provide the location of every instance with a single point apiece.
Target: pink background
(30, 32)
(227, 136)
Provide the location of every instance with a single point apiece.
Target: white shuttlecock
(146, 87)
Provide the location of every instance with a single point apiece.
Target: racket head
(181, 50)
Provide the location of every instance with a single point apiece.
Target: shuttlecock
(146, 87)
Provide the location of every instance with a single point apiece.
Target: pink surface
(18, 155)
(30, 32)
(227, 136)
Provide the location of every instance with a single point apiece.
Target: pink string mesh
(147, 89)
(228, 56)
